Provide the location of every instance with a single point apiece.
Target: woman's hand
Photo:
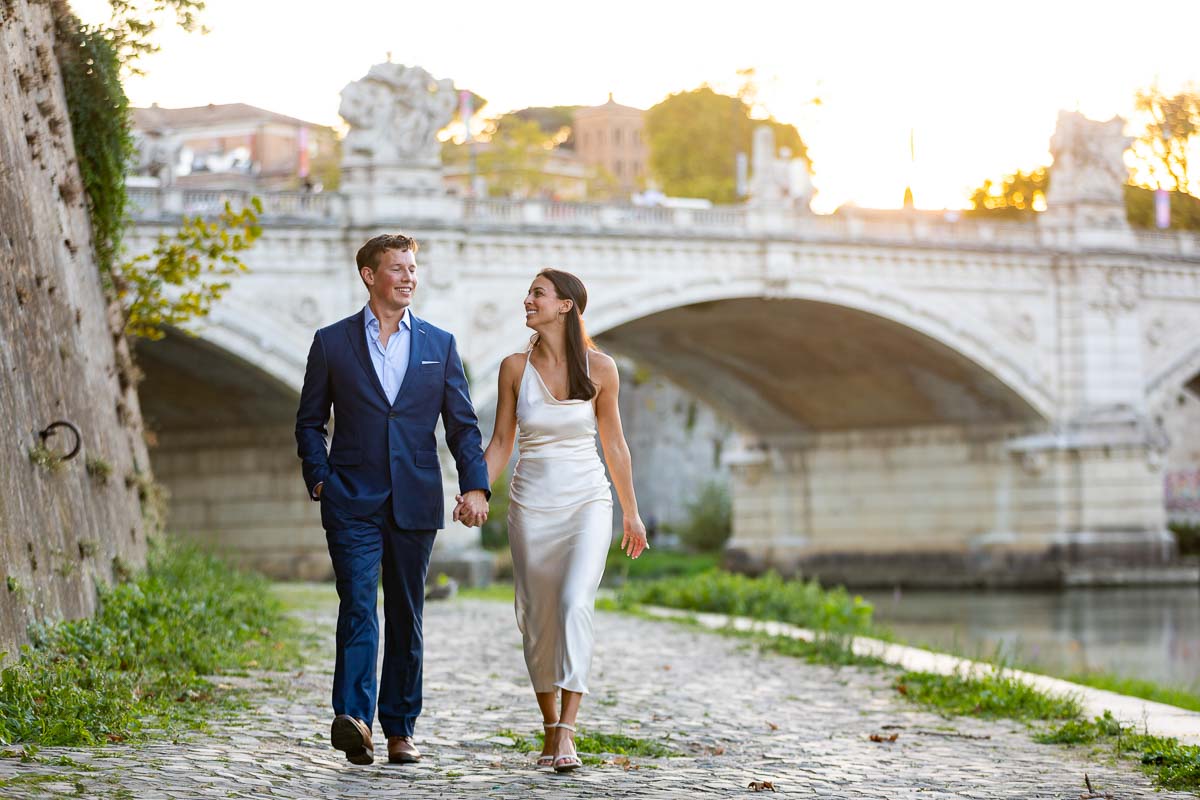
(633, 542)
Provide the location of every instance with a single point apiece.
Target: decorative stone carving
(487, 318)
(1089, 173)
(1155, 332)
(307, 311)
(1033, 462)
(156, 154)
(1119, 293)
(394, 114)
(1020, 325)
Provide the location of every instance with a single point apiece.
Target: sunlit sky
(980, 83)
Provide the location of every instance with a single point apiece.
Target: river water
(1147, 633)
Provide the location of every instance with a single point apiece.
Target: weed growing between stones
(1171, 764)
(152, 496)
(140, 664)
(594, 745)
(41, 456)
(99, 470)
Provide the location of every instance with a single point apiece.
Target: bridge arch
(278, 349)
(623, 322)
(220, 409)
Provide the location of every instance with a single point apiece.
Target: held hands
(472, 508)
(633, 542)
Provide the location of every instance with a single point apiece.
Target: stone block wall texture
(239, 490)
(844, 510)
(61, 531)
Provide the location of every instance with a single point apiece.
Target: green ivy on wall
(180, 279)
(99, 113)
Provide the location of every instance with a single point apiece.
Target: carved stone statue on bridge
(1087, 186)
(394, 115)
(777, 179)
(156, 155)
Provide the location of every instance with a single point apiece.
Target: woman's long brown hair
(568, 287)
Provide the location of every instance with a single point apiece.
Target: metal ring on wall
(48, 431)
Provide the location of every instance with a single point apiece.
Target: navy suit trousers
(359, 546)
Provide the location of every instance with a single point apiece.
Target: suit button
(391, 416)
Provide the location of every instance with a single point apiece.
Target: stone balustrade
(944, 230)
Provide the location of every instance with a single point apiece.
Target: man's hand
(317, 490)
(472, 508)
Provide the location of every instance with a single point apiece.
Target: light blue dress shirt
(391, 362)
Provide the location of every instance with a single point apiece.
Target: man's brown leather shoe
(352, 737)
(401, 750)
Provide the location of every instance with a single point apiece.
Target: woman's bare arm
(504, 432)
(616, 451)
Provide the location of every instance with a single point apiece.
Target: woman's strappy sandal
(547, 760)
(571, 762)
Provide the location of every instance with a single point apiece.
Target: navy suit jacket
(384, 450)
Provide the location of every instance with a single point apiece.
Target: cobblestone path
(736, 715)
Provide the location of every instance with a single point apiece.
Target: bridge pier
(950, 506)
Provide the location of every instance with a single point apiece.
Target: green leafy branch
(133, 24)
(180, 279)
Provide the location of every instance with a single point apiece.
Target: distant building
(231, 144)
(610, 137)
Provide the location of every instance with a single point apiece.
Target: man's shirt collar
(372, 324)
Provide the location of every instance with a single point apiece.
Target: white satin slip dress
(559, 528)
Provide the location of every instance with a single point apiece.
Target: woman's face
(542, 305)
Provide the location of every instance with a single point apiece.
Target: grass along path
(151, 659)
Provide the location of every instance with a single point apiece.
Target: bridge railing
(153, 204)
(1169, 244)
(599, 216)
(862, 225)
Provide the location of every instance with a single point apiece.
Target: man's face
(394, 282)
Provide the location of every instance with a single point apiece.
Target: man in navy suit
(388, 376)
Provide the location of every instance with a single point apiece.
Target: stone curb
(1159, 719)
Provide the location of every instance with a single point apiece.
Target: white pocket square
(423, 363)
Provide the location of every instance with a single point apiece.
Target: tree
(512, 157)
(1017, 195)
(181, 278)
(694, 138)
(133, 22)
(1139, 209)
(555, 121)
(1172, 134)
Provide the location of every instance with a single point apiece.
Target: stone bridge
(909, 388)
(921, 398)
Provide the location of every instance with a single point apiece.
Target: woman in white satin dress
(553, 398)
